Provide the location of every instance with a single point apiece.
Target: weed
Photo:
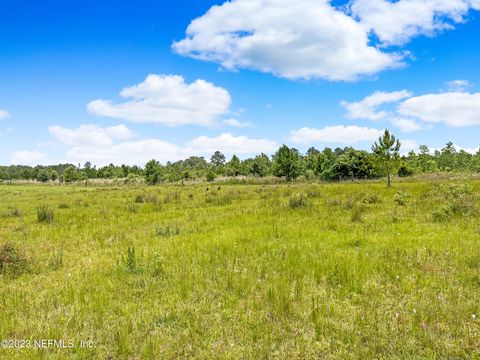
(357, 213)
(12, 261)
(56, 260)
(130, 261)
(401, 198)
(297, 201)
(167, 230)
(157, 265)
(45, 214)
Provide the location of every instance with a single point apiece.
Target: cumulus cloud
(167, 100)
(118, 145)
(406, 125)
(408, 145)
(455, 109)
(4, 114)
(229, 144)
(340, 134)
(367, 108)
(90, 135)
(291, 39)
(458, 85)
(237, 123)
(313, 38)
(396, 22)
(28, 157)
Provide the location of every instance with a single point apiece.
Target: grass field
(339, 271)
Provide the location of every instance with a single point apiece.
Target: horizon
(168, 81)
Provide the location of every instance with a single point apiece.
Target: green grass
(304, 271)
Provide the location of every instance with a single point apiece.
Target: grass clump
(12, 261)
(130, 261)
(401, 198)
(297, 201)
(151, 198)
(357, 213)
(167, 230)
(45, 214)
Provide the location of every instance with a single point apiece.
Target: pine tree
(387, 152)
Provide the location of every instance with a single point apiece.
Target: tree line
(327, 165)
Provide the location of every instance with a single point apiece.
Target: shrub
(297, 201)
(210, 176)
(12, 261)
(310, 175)
(404, 171)
(401, 198)
(45, 214)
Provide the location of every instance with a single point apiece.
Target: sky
(128, 81)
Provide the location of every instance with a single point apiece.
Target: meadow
(231, 271)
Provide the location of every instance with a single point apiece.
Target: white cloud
(4, 114)
(454, 108)
(335, 134)
(229, 145)
(291, 39)
(127, 152)
(236, 123)
(406, 125)
(313, 38)
(167, 100)
(90, 135)
(116, 144)
(397, 22)
(458, 85)
(28, 157)
(408, 145)
(367, 108)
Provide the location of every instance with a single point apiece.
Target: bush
(44, 214)
(211, 176)
(404, 171)
(401, 198)
(310, 175)
(297, 201)
(12, 261)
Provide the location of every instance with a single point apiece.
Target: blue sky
(246, 77)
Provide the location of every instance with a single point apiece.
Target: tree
(387, 155)
(261, 165)
(234, 166)
(286, 163)
(70, 174)
(217, 159)
(152, 172)
(53, 175)
(43, 175)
